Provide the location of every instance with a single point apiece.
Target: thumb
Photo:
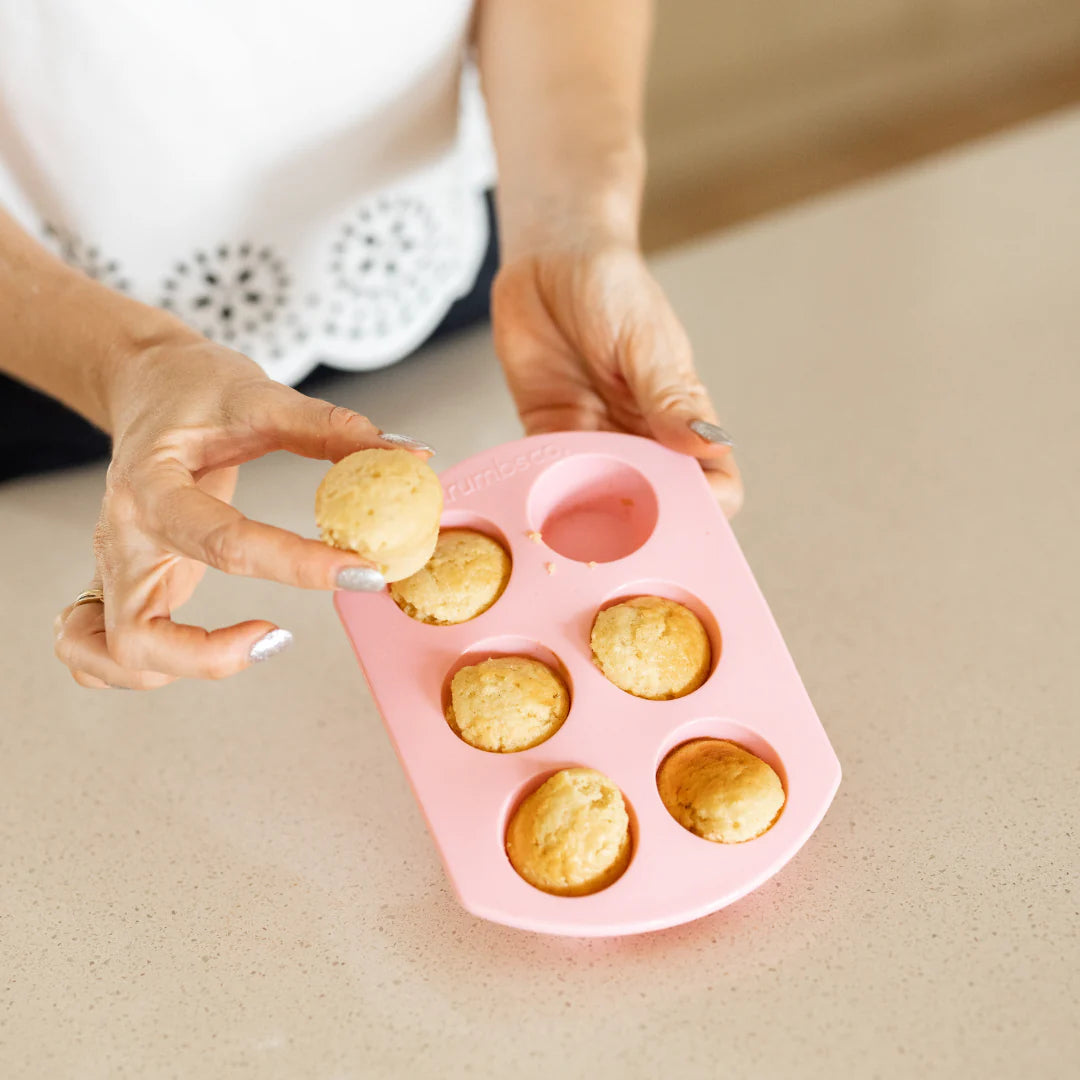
(674, 403)
(681, 417)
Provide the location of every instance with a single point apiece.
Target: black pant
(38, 434)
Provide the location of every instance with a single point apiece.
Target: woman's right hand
(184, 414)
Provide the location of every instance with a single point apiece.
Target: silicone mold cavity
(525, 789)
(618, 516)
(510, 646)
(593, 508)
(730, 731)
(670, 591)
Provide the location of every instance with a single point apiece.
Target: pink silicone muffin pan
(617, 516)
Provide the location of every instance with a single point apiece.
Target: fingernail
(270, 645)
(711, 433)
(361, 579)
(406, 442)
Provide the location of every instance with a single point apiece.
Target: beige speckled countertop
(232, 880)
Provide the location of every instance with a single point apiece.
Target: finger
(658, 366)
(318, 429)
(680, 415)
(177, 650)
(187, 573)
(187, 521)
(90, 682)
(140, 635)
(584, 415)
(726, 484)
(80, 643)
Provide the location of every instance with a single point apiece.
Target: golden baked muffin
(465, 575)
(720, 791)
(571, 836)
(651, 647)
(507, 703)
(384, 505)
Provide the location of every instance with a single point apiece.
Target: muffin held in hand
(384, 505)
(463, 578)
(571, 836)
(651, 647)
(507, 703)
(719, 790)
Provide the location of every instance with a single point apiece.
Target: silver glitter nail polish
(406, 442)
(270, 645)
(711, 433)
(361, 579)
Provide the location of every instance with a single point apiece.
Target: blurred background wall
(754, 104)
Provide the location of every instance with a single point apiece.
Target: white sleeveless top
(299, 179)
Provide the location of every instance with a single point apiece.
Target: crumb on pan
(591, 564)
(550, 567)
(535, 537)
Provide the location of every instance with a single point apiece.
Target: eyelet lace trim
(357, 291)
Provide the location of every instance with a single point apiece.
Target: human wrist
(80, 342)
(591, 202)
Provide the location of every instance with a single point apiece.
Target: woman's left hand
(589, 341)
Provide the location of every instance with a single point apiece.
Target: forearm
(564, 82)
(65, 334)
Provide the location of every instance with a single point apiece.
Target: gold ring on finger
(89, 596)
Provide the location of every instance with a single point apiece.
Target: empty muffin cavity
(466, 574)
(655, 641)
(570, 832)
(506, 695)
(722, 782)
(593, 508)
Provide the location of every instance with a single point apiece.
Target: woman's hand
(586, 336)
(184, 415)
(589, 342)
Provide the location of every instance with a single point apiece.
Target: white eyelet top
(301, 180)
